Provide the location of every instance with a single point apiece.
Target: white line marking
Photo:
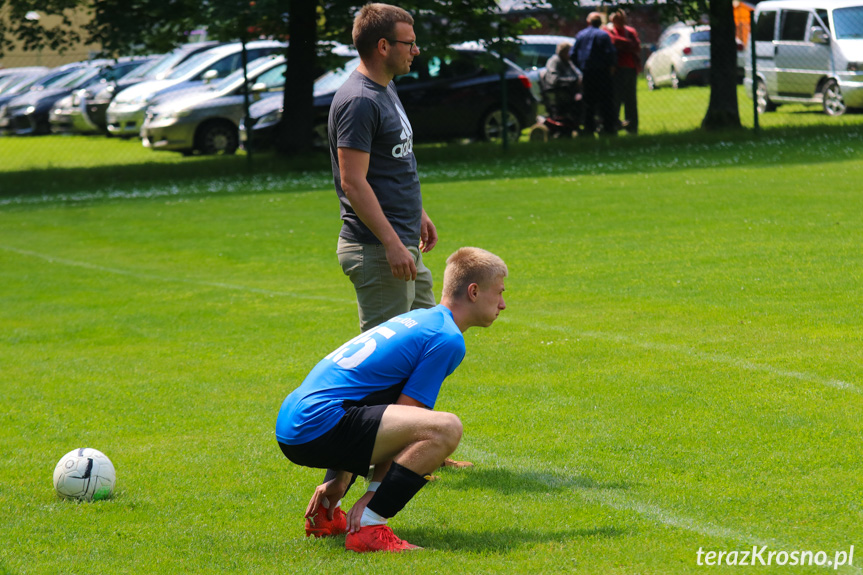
(705, 356)
(154, 277)
(666, 348)
(616, 499)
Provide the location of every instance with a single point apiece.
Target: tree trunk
(722, 113)
(295, 130)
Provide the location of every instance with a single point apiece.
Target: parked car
(206, 119)
(11, 77)
(445, 97)
(28, 113)
(127, 111)
(95, 104)
(46, 80)
(67, 113)
(682, 57)
(808, 52)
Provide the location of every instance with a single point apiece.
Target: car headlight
(855, 66)
(29, 110)
(171, 115)
(271, 118)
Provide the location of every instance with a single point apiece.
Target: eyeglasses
(411, 44)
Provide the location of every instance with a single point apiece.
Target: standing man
(628, 46)
(595, 56)
(385, 229)
(371, 402)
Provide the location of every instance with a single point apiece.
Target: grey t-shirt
(368, 117)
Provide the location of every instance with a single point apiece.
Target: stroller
(562, 102)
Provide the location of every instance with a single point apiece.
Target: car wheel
(492, 126)
(651, 83)
(675, 80)
(834, 104)
(764, 103)
(320, 139)
(217, 137)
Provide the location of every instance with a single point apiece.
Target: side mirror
(258, 88)
(817, 35)
(210, 75)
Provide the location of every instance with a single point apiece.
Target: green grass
(62, 164)
(679, 366)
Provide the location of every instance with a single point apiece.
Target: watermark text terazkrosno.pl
(758, 556)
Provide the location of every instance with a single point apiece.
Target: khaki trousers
(381, 296)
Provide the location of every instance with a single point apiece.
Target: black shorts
(346, 447)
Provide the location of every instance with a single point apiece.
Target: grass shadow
(508, 481)
(496, 541)
(501, 540)
(468, 162)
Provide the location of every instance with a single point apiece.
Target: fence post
(754, 67)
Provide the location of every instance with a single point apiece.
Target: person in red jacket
(625, 40)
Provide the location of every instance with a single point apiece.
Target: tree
(16, 22)
(723, 111)
(438, 23)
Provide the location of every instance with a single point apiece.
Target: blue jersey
(412, 354)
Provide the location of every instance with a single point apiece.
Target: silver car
(206, 119)
(127, 111)
(682, 56)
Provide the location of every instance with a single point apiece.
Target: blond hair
(471, 265)
(375, 21)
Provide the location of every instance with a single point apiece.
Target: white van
(809, 52)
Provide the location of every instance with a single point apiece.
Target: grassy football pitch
(679, 370)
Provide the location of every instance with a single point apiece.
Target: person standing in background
(595, 55)
(628, 46)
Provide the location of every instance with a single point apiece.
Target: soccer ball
(84, 474)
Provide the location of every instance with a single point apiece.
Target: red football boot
(377, 538)
(319, 526)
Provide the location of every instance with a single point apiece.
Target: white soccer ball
(84, 474)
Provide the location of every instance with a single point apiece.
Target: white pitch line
(615, 499)
(668, 348)
(154, 277)
(712, 357)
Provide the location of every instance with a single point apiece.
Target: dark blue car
(448, 97)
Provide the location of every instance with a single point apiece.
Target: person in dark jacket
(595, 55)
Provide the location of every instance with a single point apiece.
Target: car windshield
(848, 23)
(189, 66)
(87, 75)
(702, 36)
(144, 70)
(236, 77)
(21, 85)
(63, 79)
(8, 82)
(163, 66)
(333, 80)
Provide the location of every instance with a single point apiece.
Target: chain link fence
(802, 59)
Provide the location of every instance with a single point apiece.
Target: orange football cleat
(319, 526)
(377, 538)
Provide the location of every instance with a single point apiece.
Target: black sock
(398, 487)
(332, 473)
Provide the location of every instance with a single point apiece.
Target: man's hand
(401, 261)
(428, 234)
(356, 512)
(331, 490)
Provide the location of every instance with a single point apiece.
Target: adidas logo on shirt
(406, 148)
